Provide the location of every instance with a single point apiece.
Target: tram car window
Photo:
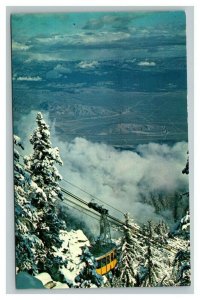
(98, 264)
(108, 259)
(103, 262)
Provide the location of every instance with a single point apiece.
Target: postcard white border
(10, 274)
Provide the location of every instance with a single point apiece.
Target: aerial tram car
(107, 262)
(104, 250)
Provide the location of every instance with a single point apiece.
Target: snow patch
(71, 249)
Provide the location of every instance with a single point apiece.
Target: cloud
(62, 69)
(75, 47)
(81, 39)
(108, 43)
(27, 78)
(88, 65)
(48, 57)
(115, 21)
(108, 34)
(58, 71)
(20, 47)
(54, 38)
(106, 20)
(53, 74)
(147, 63)
(123, 179)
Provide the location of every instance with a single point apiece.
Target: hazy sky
(99, 36)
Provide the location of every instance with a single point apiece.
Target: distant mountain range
(77, 111)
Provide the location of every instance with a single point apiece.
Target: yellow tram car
(106, 262)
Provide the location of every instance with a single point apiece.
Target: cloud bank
(123, 179)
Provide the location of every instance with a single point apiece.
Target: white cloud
(28, 78)
(122, 179)
(105, 37)
(88, 65)
(81, 55)
(147, 63)
(34, 56)
(19, 46)
(82, 38)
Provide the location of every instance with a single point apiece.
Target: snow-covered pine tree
(182, 228)
(161, 231)
(41, 165)
(154, 270)
(181, 272)
(131, 254)
(185, 226)
(186, 169)
(181, 264)
(29, 249)
(181, 267)
(88, 276)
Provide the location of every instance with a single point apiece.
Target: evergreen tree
(153, 271)
(29, 249)
(88, 275)
(161, 231)
(186, 169)
(181, 272)
(181, 268)
(182, 228)
(131, 253)
(185, 226)
(181, 265)
(41, 165)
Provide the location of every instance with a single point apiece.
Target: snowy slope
(71, 249)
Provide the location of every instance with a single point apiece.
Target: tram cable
(86, 209)
(65, 204)
(94, 197)
(114, 220)
(83, 209)
(89, 194)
